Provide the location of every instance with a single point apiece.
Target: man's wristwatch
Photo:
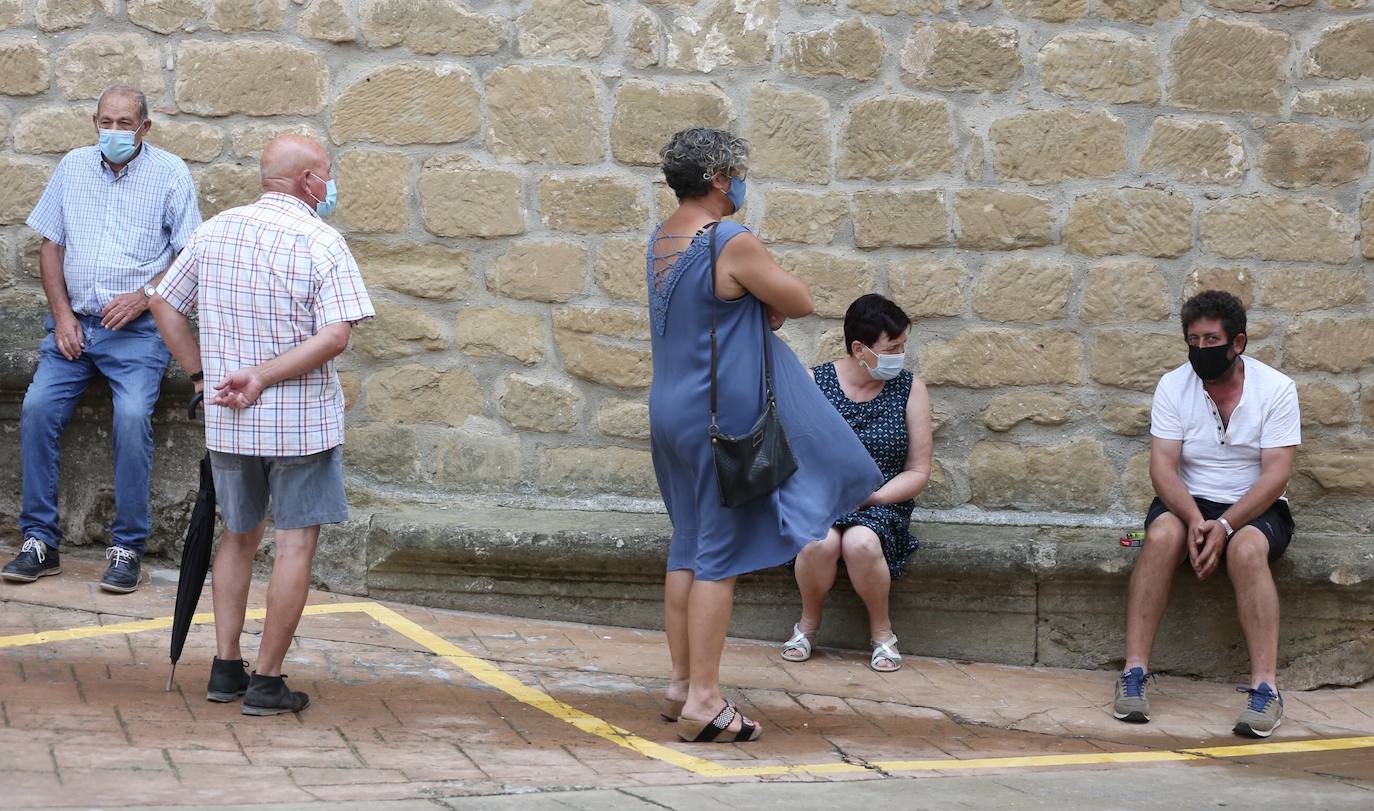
(149, 291)
(1226, 525)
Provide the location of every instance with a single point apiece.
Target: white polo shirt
(1221, 462)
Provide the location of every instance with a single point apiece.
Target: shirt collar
(129, 167)
(281, 199)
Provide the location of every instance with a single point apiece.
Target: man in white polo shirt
(1225, 430)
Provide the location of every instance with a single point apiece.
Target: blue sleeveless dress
(880, 424)
(834, 472)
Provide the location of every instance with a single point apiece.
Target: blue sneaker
(1262, 714)
(1132, 706)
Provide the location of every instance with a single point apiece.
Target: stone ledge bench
(1020, 595)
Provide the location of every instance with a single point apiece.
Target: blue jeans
(133, 360)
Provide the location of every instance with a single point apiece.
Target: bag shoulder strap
(715, 305)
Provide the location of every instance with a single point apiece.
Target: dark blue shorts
(1276, 522)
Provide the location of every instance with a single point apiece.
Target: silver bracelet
(1227, 525)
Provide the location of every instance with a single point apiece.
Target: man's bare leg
(286, 595)
(233, 574)
(1257, 602)
(1148, 594)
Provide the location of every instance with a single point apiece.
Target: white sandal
(800, 641)
(885, 650)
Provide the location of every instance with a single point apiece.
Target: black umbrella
(195, 555)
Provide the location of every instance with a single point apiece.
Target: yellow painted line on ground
(494, 677)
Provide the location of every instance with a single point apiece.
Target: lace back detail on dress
(664, 270)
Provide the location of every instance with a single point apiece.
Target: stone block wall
(1038, 182)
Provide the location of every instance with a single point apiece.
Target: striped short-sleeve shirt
(265, 278)
(118, 230)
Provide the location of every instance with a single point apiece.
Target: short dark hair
(693, 156)
(869, 318)
(1217, 304)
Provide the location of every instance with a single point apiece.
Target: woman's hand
(775, 319)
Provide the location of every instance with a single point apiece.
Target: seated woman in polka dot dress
(890, 411)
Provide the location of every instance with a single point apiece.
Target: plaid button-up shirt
(118, 230)
(265, 278)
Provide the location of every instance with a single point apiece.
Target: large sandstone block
(851, 48)
(493, 331)
(532, 404)
(1349, 103)
(1143, 12)
(590, 353)
(571, 28)
(328, 20)
(477, 457)
(21, 184)
(958, 56)
(11, 13)
(190, 140)
(835, 280)
(222, 186)
(1007, 411)
(1238, 281)
(23, 68)
(1340, 344)
(165, 16)
(408, 104)
(1277, 228)
(240, 16)
(545, 114)
(1125, 291)
(623, 418)
(224, 78)
(58, 15)
(597, 471)
(1297, 156)
(462, 200)
(620, 271)
(420, 394)
(789, 135)
(432, 27)
(1076, 477)
(897, 137)
(981, 358)
(1130, 221)
(991, 220)
(1023, 290)
(1249, 56)
(797, 216)
(591, 204)
(1126, 416)
(1100, 66)
(377, 196)
(1052, 146)
(1367, 225)
(247, 142)
(398, 331)
(1344, 465)
(733, 33)
(415, 268)
(1343, 52)
(892, 8)
(1324, 403)
(1259, 6)
(647, 114)
(927, 287)
(385, 451)
(1053, 11)
(1135, 360)
(1195, 151)
(910, 218)
(90, 64)
(52, 130)
(644, 40)
(1301, 289)
(543, 271)
(614, 322)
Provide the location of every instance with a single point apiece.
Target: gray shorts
(304, 491)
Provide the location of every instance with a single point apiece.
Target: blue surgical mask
(118, 146)
(736, 193)
(326, 206)
(888, 366)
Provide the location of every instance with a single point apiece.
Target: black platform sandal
(689, 730)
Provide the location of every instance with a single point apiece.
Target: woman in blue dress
(713, 544)
(889, 410)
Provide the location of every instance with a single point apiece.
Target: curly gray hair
(693, 156)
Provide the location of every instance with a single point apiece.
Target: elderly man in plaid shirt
(278, 293)
(112, 217)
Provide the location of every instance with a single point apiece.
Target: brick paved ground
(87, 721)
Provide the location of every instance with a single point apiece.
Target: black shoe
(267, 695)
(228, 680)
(122, 576)
(35, 559)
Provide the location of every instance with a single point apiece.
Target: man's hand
(123, 309)
(239, 390)
(1205, 551)
(70, 339)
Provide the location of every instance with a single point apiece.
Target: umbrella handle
(195, 402)
(170, 677)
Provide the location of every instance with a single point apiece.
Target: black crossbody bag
(758, 462)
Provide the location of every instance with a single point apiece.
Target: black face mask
(1211, 362)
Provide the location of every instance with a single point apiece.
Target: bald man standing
(278, 293)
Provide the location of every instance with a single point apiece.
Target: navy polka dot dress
(881, 426)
